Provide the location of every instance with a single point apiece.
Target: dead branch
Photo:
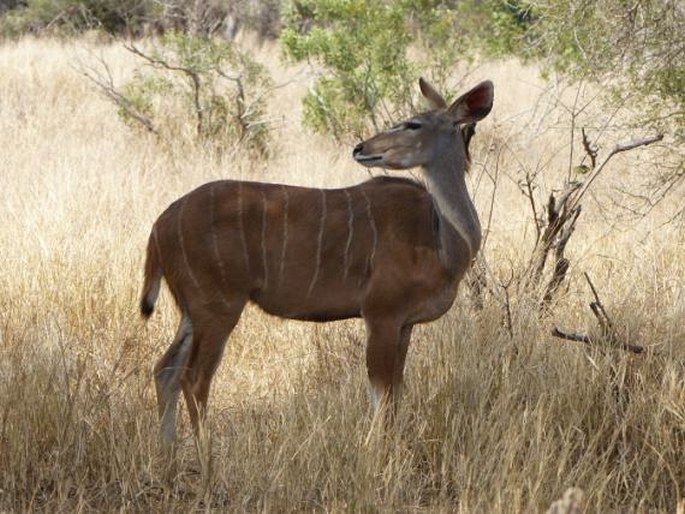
(571, 336)
(621, 147)
(583, 338)
(189, 72)
(559, 227)
(608, 332)
(562, 215)
(560, 269)
(590, 150)
(241, 102)
(529, 192)
(106, 84)
(508, 320)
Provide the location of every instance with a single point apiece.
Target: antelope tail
(153, 278)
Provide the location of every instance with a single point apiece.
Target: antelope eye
(412, 125)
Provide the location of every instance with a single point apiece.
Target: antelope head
(420, 140)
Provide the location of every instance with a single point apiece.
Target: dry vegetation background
(492, 421)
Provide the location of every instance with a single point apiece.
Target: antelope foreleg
(384, 360)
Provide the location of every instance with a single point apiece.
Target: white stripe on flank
(215, 240)
(350, 232)
(264, 265)
(181, 243)
(285, 235)
(372, 222)
(322, 225)
(242, 227)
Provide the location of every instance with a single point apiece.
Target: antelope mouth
(360, 157)
(368, 158)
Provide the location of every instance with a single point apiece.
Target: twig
(621, 147)
(106, 85)
(590, 150)
(531, 197)
(560, 269)
(571, 336)
(194, 77)
(583, 338)
(599, 311)
(560, 226)
(607, 327)
(508, 319)
(562, 215)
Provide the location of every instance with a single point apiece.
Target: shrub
(363, 47)
(198, 88)
(635, 50)
(70, 17)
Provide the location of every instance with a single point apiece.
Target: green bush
(71, 17)
(364, 48)
(197, 88)
(635, 50)
(134, 18)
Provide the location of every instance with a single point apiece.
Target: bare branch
(636, 143)
(599, 310)
(569, 189)
(567, 231)
(192, 74)
(106, 85)
(590, 150)
(508, 319)
(583, 338)
(571, 336)
(560, 269)
(531, 198)
(617, 149)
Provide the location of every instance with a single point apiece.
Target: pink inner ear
(474, 105)
(479, 99)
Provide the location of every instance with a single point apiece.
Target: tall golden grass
(494, 420)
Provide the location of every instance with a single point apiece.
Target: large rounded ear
(474, 105)
(434, 98)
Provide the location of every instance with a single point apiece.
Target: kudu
(388, 250)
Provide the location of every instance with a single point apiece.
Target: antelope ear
(434, 98)
(474, 105)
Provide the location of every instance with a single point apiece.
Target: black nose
(358, 149)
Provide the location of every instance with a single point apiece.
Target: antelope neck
(446, 184)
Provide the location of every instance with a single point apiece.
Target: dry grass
(491, 422)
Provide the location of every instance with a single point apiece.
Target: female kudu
(388, 250)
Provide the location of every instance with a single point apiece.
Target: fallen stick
(583, 338)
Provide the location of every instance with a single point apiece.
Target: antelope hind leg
(398, 376)
(167, 379)
(207, 349)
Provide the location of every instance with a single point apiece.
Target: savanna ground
(496, 418)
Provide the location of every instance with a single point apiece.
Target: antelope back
(297, 252)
